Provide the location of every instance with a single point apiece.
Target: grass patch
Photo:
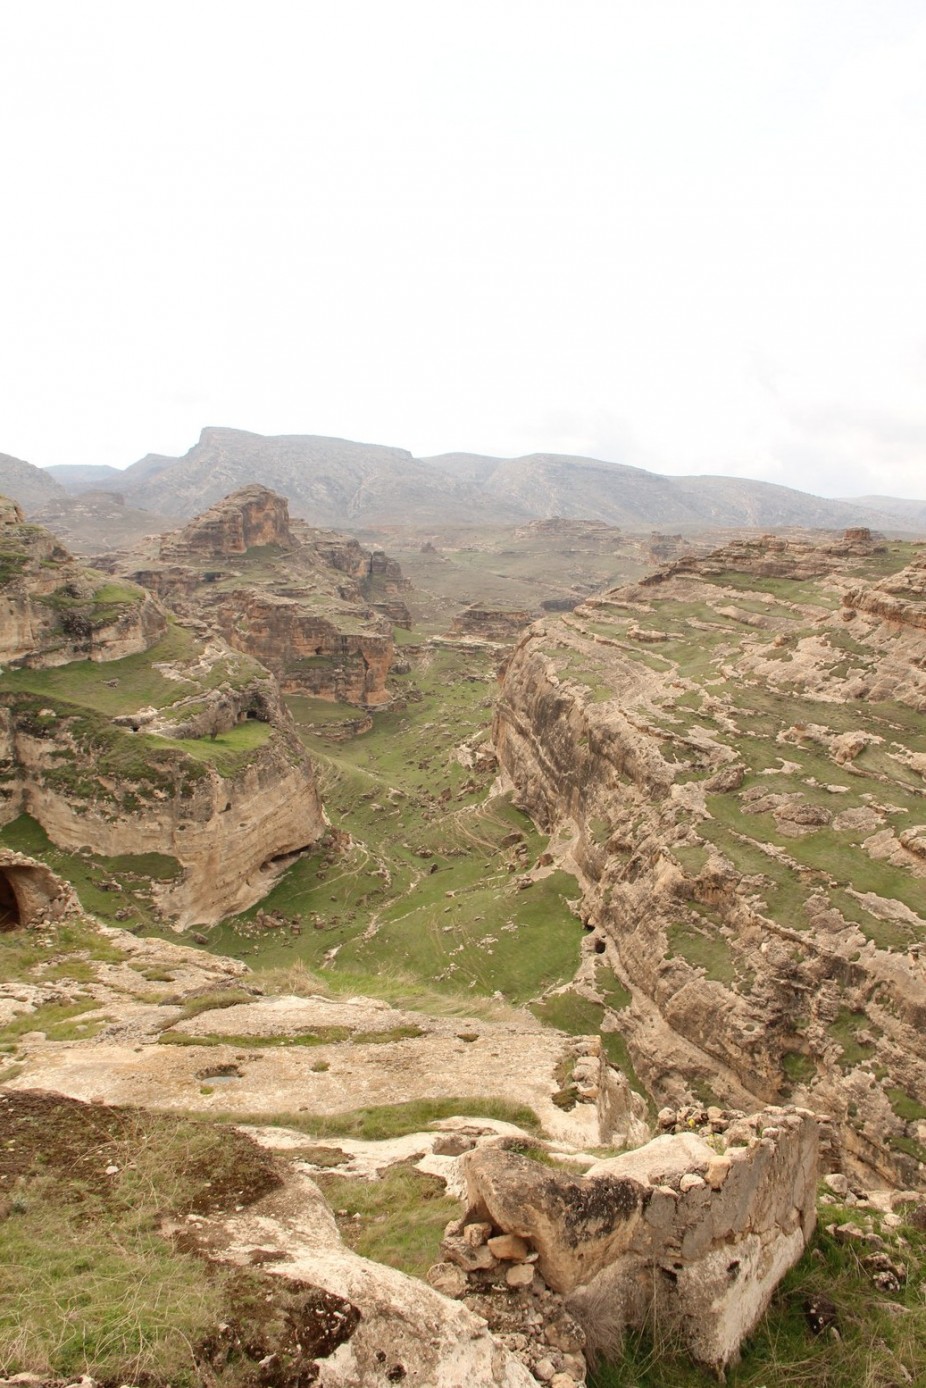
(845, 1028)
(124, 686)
(709, 952)
(613, 992)
(87, 1283)
(905, 1106)
(798, 1068)
(381, 1121)
(60, 1021)
(398, 1219)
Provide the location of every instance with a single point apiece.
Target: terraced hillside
(733, 752)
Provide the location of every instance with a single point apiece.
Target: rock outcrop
(30, 892)
(187, 753)
(315, 607)
(678, 1233)
(490, 624)
(250, 517)
(229, 826)
(729, 750)
(54, 610)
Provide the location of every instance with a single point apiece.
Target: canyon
(700, 798)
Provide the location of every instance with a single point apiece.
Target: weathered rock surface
(316, 608)
(407, 1332)
(742, 802)
(54, 610)
(96, 766)
(490, 624)
(229, 832)
(676, 1234)
(363, 1054)
(30, 892)
(252, 516)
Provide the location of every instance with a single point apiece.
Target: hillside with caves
(514, 932)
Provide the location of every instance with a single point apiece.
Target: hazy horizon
(687, 238)
(507, 458)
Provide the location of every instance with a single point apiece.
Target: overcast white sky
(688, 236)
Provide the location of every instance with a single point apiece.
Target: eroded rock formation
(54, 610)
(126, 759)
(315, 607)
(490, 624)
(729, 752)
(30, 892)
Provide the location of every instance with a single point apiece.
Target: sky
(681, 234)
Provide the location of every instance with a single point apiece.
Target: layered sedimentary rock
(54, 610)
(316, 608)
(678, 1234)
(490, 624)
(99, 783)
(731, 751)
(253, 516)
(187, 752)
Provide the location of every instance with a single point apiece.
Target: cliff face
(127, 734)
(315, 607)
(490, 624)
(230, 830)
(249, 517)
(54, 610)
(731, 752)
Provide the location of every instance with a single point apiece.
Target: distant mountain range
(333, 482)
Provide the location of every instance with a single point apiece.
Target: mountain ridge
(342, 483)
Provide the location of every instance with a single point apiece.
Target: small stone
(509, 1248)
(666, 1118)
(476, 1234)
(563, 1381)
(837, 1183)
(545, 1370)
(717, 1172)
(467, 1256)
(564, 1334)
(519, 1275)
(690, 1182)
(447, 1278)
(452, 1145)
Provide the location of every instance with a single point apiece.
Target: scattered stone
(448, 1279)
(508, 1248)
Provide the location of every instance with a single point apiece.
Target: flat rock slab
(503, 1063)
(290, 1016)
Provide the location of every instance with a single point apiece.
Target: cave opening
(10, 915)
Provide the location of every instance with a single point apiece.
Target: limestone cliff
(315, 607)
(731, 750)
(54, 610)
(490, 624)
(126, 734)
